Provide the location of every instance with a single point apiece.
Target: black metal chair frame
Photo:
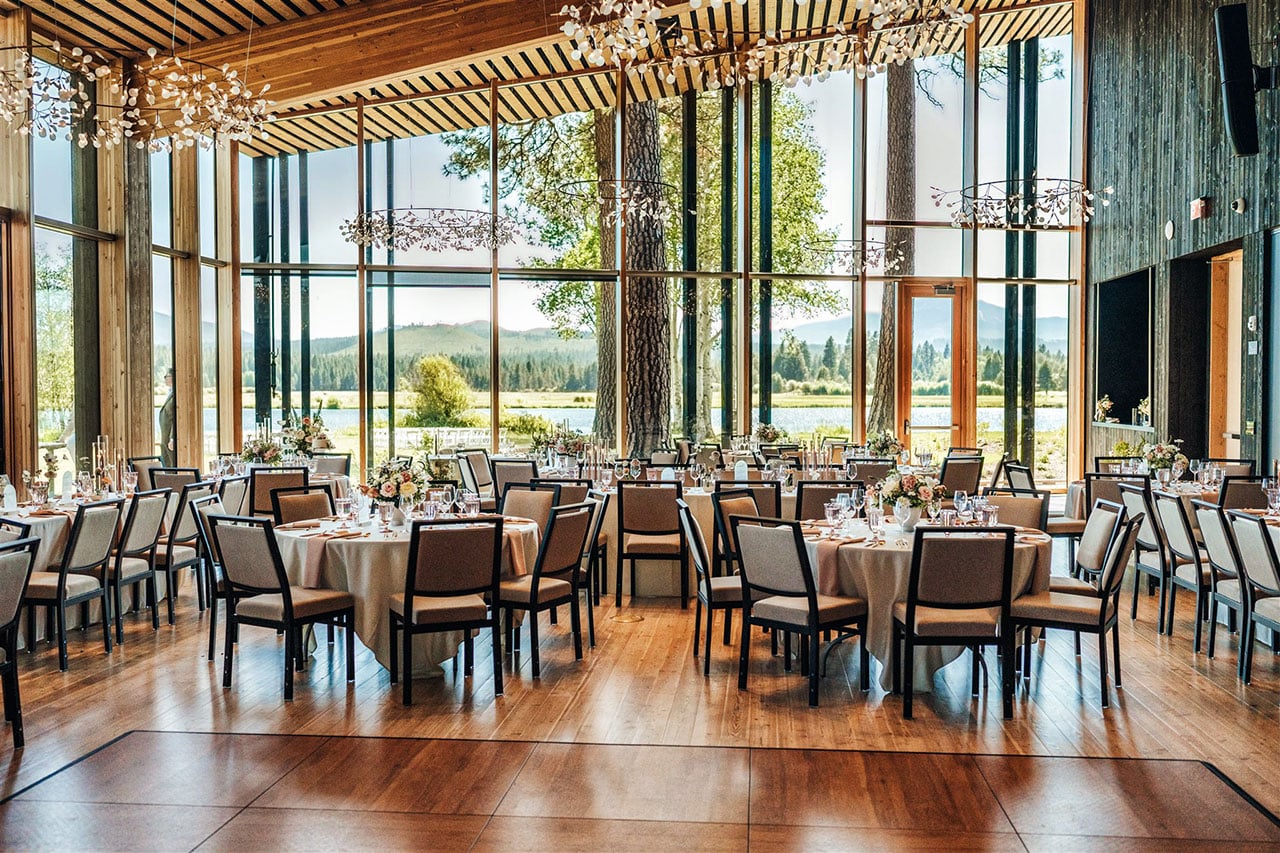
(9, 642)
(171, 542)
(702, 571)
(287, 491)
(1238, 611)
(1157, 574)
(252, 497)
(1203, 591)
(623, 555)
(118, 580)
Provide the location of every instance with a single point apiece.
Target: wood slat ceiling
(145, 23)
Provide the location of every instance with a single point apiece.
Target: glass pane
(206, 165)
(54, 346)
(931, 343)
(162, 358)
(881, 364)
(161, 198)
(812, 358)
(209, 358)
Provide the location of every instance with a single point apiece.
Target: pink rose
(388, 489)
(926, 493)
(909, 482)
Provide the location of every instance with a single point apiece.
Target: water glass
(606, 478)
(39, 493)
(933, 507)
(1273, 501)
(342, 506)
(1162, 477)
(472, 505)
(430, 509)
(948, 517)
(875, 522)
(832, 511)
(447, 497)
(130, 481)
(857, 498)
(902, 511)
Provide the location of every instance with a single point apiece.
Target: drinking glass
(472, 505)
(606, 477)
(961, 500)
(342, 506)
(39, 493)
(430, 509)
(964, 510)
(1162, 477)
(832, 511)
(902, 511)
(1273, 501)
(1179, 468)
(875, 522)
(857, 498)
(851, 469)
(1196, 466)
(447, 497)
(460, 500)
(651, 474)
(842, 502)
(130, 481)
(634, 469)
(933, 507)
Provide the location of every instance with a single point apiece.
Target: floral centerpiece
(1163, 455)
(262, 449)
(1102, 408)
(303, 435)
(1144, 410)
(561, 440)
(917, 489)
(769, 434)
(396, 481)
(883, 443)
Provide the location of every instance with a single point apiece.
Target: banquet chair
(1138, 501)
(262, 481)
(1107, 487)
(1096, 611)
(173, 478)
(301, 503)
(135, 557)
(871, 471)
(12, 531)
(1091, 553)
(453, 572)
(1235, 467)
(75, 581)
(473, 467)
(964, 451)
(684, 451)
(1261, 570)
(779, 592)
(767, 494)
(1188, 561)
(1242, 493)
(553, 581)
(1021, 508)
(597, 557)
(178, 545)
(958, 594)
(663, 457)
(714, 593)
(649, 529)
(332, 463)
(1019, 477)
(1109, 464)
(142, 465)
(812, 496)
(572, 491)
(724, 549)
(233, 491)
(512, 471)
(214, 587)
(998, 471)
(961, 474)
(17, 558)
(1228, 585)
(259, 593)
(525, 500)
(710, 455)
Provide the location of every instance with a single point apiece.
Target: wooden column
(113, 365)
(227, 241)
(139, 391)
(187, 383)
(17, 290)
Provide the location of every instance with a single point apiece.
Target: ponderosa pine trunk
(648, 334)
(607, 301)
(900, 202)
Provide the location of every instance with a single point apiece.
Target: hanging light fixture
(856, 257)
(631, 201)
(432, 229)
(1047, 203)
(52, 99)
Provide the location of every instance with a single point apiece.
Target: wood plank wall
(1157, 135)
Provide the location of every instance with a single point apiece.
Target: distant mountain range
(933, 322)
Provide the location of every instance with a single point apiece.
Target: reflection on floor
(184, 790)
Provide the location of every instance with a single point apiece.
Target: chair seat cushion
(977, 622)
(642, 543)
(1187, 572)
(131, 567)
(44, 585)
(306, 603)
(1075, 586)
(1059, 525)
(1268, 608)
(1059, 607)
(488, 504)
(182, 555)
(454, 608)
(1229, 588)
(520, 590)
(721, 590)
(794, 610)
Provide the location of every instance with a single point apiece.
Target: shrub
(441, 394)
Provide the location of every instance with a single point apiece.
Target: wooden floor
(641, 686)
(291, 792)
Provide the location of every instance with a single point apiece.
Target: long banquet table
(371, 564)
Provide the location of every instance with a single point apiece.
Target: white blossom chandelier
(1048, 203)
(204, 102)
(634, 35)
(49, 100)
(630, 201)
(433, 229)
(855, 257)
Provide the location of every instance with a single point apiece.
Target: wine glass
(606, 477)
(933, 507)
(902, 511)
(963, 509)
(857, 498)
(447, 497)
(875, 522)
(1179, 468)
(1196, 466)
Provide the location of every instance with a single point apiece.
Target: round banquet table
(1074, 507)
(880, 575)
(371, 564)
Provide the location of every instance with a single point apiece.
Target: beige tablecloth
(373, 568)
(1075, 508)
(881, 574)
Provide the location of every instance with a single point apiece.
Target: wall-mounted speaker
(1235, 64)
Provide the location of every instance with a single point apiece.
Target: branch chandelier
(629, 200)
(167, 104)
(433, 229)
(1048, 203)
(634, 35)
(855, 257)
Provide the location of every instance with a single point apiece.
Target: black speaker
(1235, 63)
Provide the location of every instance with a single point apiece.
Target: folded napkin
(1253, 511)
(828, 563)
(47, 513)
(515, 519)
(299, 525)
(315, 554)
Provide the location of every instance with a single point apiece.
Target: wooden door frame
(964, 346)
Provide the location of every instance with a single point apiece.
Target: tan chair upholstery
(234, 492)
(263, 481)
(473, 465)
(812, 496)
(958, 594)
(1106, 487)
(648, 529)
(512, 472)
(663, 458)
(713, 593)
(453, 564)
(179, 544)
(1150, 556)
(290, 505)
(527, 503)
(767, 494)
(332, 463)
(173, 479)
(1223, 560)
(1242, 492)
(17, 557)
(142, 465)
(212, 589)
(961, 474)
(136, 556)
(258, 593)
(779, 581)
(1021, 510)
(870, 471)
(1101, 526)
(1191, 570)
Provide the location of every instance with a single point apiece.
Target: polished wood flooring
(641, 687)
(288, 792)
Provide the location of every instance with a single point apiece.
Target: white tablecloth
(373, 568)
(881, 575)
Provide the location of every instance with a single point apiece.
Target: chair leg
(169, 583)
(115, 593)
(496, 633)
(155, 605)
(575, 622)
(1246, 652)
(14, 699)
(62, 636)
(684, 577)
(1102, 670)
(291, 643)
(213, 624)
(697, 625)
(1164, 593)
(1007, 665)
(973, 672)
(395, 652)
(227, 646)
(591, 613)
(1173, 600)
(617, 587)
(31, 628)
(786, 651)
(1115, 651)
(908, 674)
(532, 616)
(1137, 582)
(1213, 625)
(743, 653)
(1026, 655)
(895, 661)
(811, 642)
(728, 625)
(349, 637)
(106, 621)
(406, 664)
(468, 654)
(1199, 621)
(555, 616)
(1077, 633)
(706, 652)
(864, 659)
(633, 582)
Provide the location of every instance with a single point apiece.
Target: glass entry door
(936, 405)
